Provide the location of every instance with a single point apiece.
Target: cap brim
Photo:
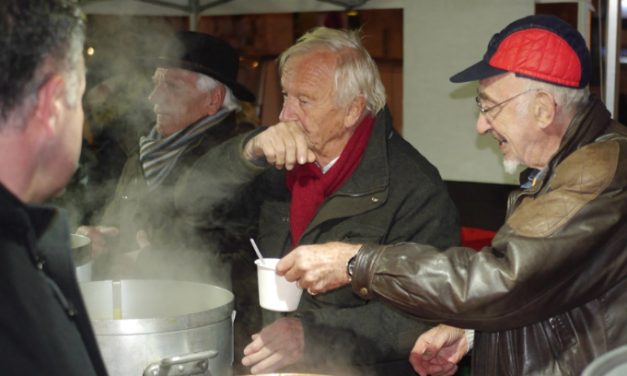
(476, 72)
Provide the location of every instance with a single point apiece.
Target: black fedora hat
(206, 54)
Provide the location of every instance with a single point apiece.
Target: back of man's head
(37, 38)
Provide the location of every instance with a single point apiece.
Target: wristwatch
(350, 266)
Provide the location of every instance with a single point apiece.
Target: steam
(117, 113)
(120, 65)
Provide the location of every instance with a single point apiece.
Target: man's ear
(50, 99)
(215, 99)
(544, 110)
(354, 112)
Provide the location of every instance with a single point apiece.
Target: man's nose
(287, 113)
(482, 126)
(156, 95)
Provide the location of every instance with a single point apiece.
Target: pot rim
(81, 249)
(213, 316)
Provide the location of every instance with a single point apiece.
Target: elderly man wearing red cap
(549, 295)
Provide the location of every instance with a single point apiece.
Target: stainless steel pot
(288, 374)
(153, 327)
(613, 363)
(80, 248)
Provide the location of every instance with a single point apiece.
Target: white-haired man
(195, 98)
(333, 168)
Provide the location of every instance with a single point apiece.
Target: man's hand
(98, 236)
(278, 345)
(318, 268)
(282, 145)
(438, 350)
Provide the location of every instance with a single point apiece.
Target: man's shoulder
(407, 161)
(593, 166)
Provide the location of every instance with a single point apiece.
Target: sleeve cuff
(470, 338)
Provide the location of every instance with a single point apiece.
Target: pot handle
(181, 365)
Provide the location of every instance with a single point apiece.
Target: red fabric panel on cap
(540, 54)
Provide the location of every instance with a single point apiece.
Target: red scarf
(310, 187)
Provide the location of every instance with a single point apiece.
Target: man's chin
(511, 166)
(165, 129)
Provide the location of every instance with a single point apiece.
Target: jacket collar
(585, 127)
(27, 221)
(375, 158)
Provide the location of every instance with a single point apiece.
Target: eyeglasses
(485, 110)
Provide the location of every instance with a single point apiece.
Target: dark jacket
(394, 195)
(550, 294)
(44, 324)
(135, 208)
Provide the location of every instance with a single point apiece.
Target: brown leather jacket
(550, 294)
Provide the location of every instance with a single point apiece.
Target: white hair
(206, 84)
(356, 74)
(569, 99)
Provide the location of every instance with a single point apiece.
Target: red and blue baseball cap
(540, 47)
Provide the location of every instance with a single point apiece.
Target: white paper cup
(275, 292)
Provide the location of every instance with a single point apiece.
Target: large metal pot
(152, 327)
(613, 363)
(289, 374)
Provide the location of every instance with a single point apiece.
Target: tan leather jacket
(550, 294)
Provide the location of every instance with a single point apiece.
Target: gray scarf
(158, 155)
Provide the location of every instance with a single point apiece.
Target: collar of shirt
(326, 168)
(533, 177)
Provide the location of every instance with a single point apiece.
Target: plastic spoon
(257, 251)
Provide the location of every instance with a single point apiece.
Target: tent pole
(613, 41)
(193, 15)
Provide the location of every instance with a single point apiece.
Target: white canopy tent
(196, 8)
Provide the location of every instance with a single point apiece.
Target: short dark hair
(34, 34)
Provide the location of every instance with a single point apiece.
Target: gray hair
(47, 37)
(356, 74)
(571, 100)
(206, 84)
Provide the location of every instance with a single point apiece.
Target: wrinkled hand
(282, 145)
(438, 350)
(98, 236)
(278, 345)
(318, 268)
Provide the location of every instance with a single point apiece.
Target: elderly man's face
(511, 122)
(177, 100)
(309, 98)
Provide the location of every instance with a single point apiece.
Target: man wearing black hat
(549, 294)
(195, 100)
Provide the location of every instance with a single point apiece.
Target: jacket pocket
(560, 334)
(355, 232)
